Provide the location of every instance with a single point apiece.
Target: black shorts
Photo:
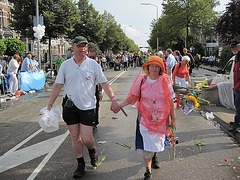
(73, 115)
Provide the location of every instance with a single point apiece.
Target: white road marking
(46, 159)
(23, 142)
(15, 157)
(21, 156)
(114, 79)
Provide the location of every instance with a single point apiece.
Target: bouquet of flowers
(171, 140)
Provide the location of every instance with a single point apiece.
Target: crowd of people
(9, 71)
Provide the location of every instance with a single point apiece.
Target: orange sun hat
(154, 60)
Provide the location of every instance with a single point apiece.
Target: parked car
(226, 72)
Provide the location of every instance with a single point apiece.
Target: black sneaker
(94, 159)
(155, 163)
(78, 173)
(147, 175)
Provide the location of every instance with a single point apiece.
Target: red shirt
(181, 72)
(236, 75)
(165, 65)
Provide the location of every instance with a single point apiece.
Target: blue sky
(135, 19)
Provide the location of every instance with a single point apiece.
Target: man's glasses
(81, 45)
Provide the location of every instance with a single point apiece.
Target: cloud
(129, 30)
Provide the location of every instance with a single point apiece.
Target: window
(1, 18)
(8, 16)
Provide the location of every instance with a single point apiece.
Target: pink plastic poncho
(155, 103)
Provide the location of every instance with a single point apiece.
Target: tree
(3, 47)
(59, 17)
(112, 29)
(228, 25)
(184, 19)
(94, 46)
(89, 24)
(225, 55)
(14, 46)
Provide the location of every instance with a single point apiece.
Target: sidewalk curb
(225, 127)
(208, 68)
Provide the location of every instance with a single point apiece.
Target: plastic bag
(210, 116)
(49, 120)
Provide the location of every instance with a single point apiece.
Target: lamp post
(38, 41)
(149, 4)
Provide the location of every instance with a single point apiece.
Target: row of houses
(58, 46)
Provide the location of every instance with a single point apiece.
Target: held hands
(115, 107)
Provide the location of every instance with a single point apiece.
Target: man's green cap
(80, 40)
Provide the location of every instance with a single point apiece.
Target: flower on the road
(185, 94)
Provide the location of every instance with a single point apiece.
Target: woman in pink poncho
(154, 96)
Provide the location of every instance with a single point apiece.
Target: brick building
(5, 14)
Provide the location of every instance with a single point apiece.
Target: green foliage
(182, 20)
(216, 52)
(14, 46)
(94, 46)
(228, 25)
(89, 24)
(59, 16)
(225, 55)
(3, 47)
(70, 18)
(200, 48)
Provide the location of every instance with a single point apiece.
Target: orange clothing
(155, 103)
(181, 72)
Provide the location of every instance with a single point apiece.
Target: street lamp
(150, 4)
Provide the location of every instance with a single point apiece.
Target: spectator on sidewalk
(104, 63)
(34, 63)
(177, 56)
(191, 63)
(196, 59)
(181, 72)
(59, 61)
(12, 71)
(26, 65)
(154, 95)
(125, 62)
(3, 63)
(171, 62)
(79, 76)
(235, 46)
(192, 50)
(160, 54)
(211, 60)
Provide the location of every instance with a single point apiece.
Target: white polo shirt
(80, 81)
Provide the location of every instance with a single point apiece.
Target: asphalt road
(27, 152)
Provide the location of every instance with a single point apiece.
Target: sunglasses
(92, 57)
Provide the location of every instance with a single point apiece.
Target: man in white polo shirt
(171, 62)
(79, 75)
